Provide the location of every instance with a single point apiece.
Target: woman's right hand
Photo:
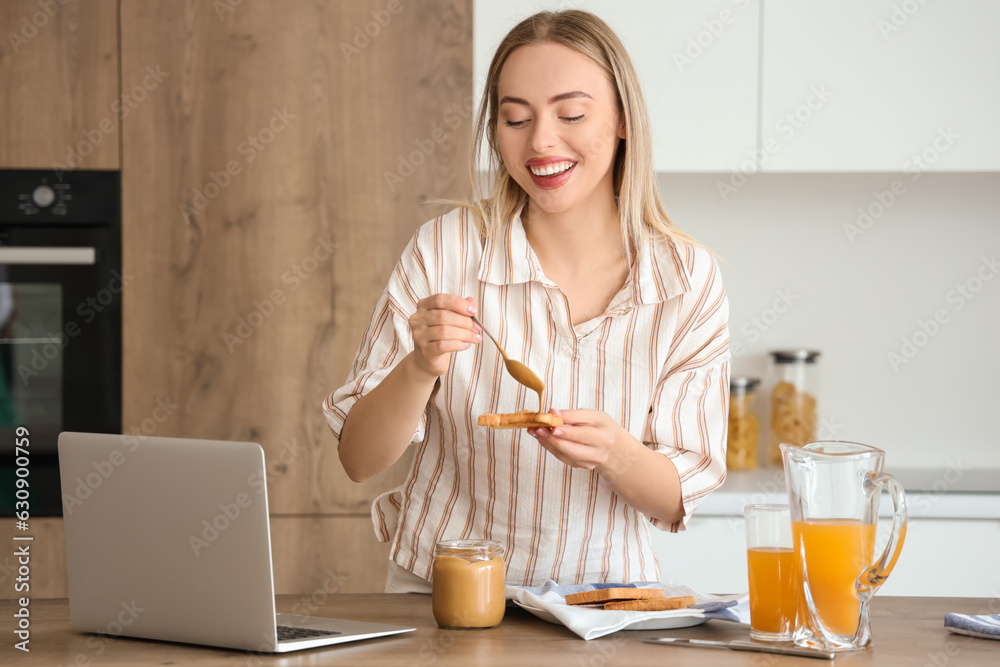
(442, 325)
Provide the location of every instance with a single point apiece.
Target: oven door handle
(48, 255)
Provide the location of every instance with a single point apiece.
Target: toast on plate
(652, 604)
(606, 595)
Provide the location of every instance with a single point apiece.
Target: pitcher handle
(872, 578)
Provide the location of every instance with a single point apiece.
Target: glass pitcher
(833, 496)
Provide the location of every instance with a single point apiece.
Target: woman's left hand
(591, 439)
(586, 439)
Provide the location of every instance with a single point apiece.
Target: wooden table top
(907, 631)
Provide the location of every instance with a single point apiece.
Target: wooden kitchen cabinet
(328, 554)
(697, 62)
(270, 182)
(59, 68)
(889, 85)
(259, 221)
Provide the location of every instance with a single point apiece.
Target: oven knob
(43, 196)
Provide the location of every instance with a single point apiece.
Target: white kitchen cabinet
(880, 85)
(697, 61)
(941, 557)
(947, 557)
(791, 86)
(710, 556)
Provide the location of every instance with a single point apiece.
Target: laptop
(169, 539)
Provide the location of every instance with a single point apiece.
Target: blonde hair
(640, 208)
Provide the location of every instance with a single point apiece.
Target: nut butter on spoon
(517, 370)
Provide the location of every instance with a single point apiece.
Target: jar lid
(791, 356)
(466, 548)
(743, 383)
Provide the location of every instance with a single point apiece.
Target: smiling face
(558, 127)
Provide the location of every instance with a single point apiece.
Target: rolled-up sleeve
(386, 341)
(690, 408)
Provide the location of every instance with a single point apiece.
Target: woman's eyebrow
(552, 100)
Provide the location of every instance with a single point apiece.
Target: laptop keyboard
(287, 632)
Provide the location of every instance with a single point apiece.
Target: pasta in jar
(744, 428)
(793, 404)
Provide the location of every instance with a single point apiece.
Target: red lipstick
(548, 182)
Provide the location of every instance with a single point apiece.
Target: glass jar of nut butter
(744, 427)
(793, 400)
(467, 584)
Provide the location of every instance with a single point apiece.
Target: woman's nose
(543, 135)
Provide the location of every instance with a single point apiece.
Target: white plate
(679, 618)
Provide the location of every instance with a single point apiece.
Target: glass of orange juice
(774, 588)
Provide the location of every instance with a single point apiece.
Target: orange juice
(836, 552)
(774, 589)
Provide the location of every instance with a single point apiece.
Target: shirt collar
(508, 258)
(659, 273)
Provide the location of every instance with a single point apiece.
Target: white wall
(857, 295)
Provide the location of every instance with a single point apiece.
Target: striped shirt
(657, 361)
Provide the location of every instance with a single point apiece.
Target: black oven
(61, 285)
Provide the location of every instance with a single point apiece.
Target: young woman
(571, 261)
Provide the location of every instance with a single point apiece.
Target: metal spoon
(516, 369)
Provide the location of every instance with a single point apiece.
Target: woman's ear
(621, 130)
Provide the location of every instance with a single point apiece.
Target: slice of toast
(605, 595)
(650, 604)
(522, 419)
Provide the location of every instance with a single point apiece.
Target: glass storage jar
(467, 584)
(793, 400)
(744, 427)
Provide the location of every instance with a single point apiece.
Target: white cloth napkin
(591, 623)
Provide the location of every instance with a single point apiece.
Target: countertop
(905, 631)
(949, 493)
